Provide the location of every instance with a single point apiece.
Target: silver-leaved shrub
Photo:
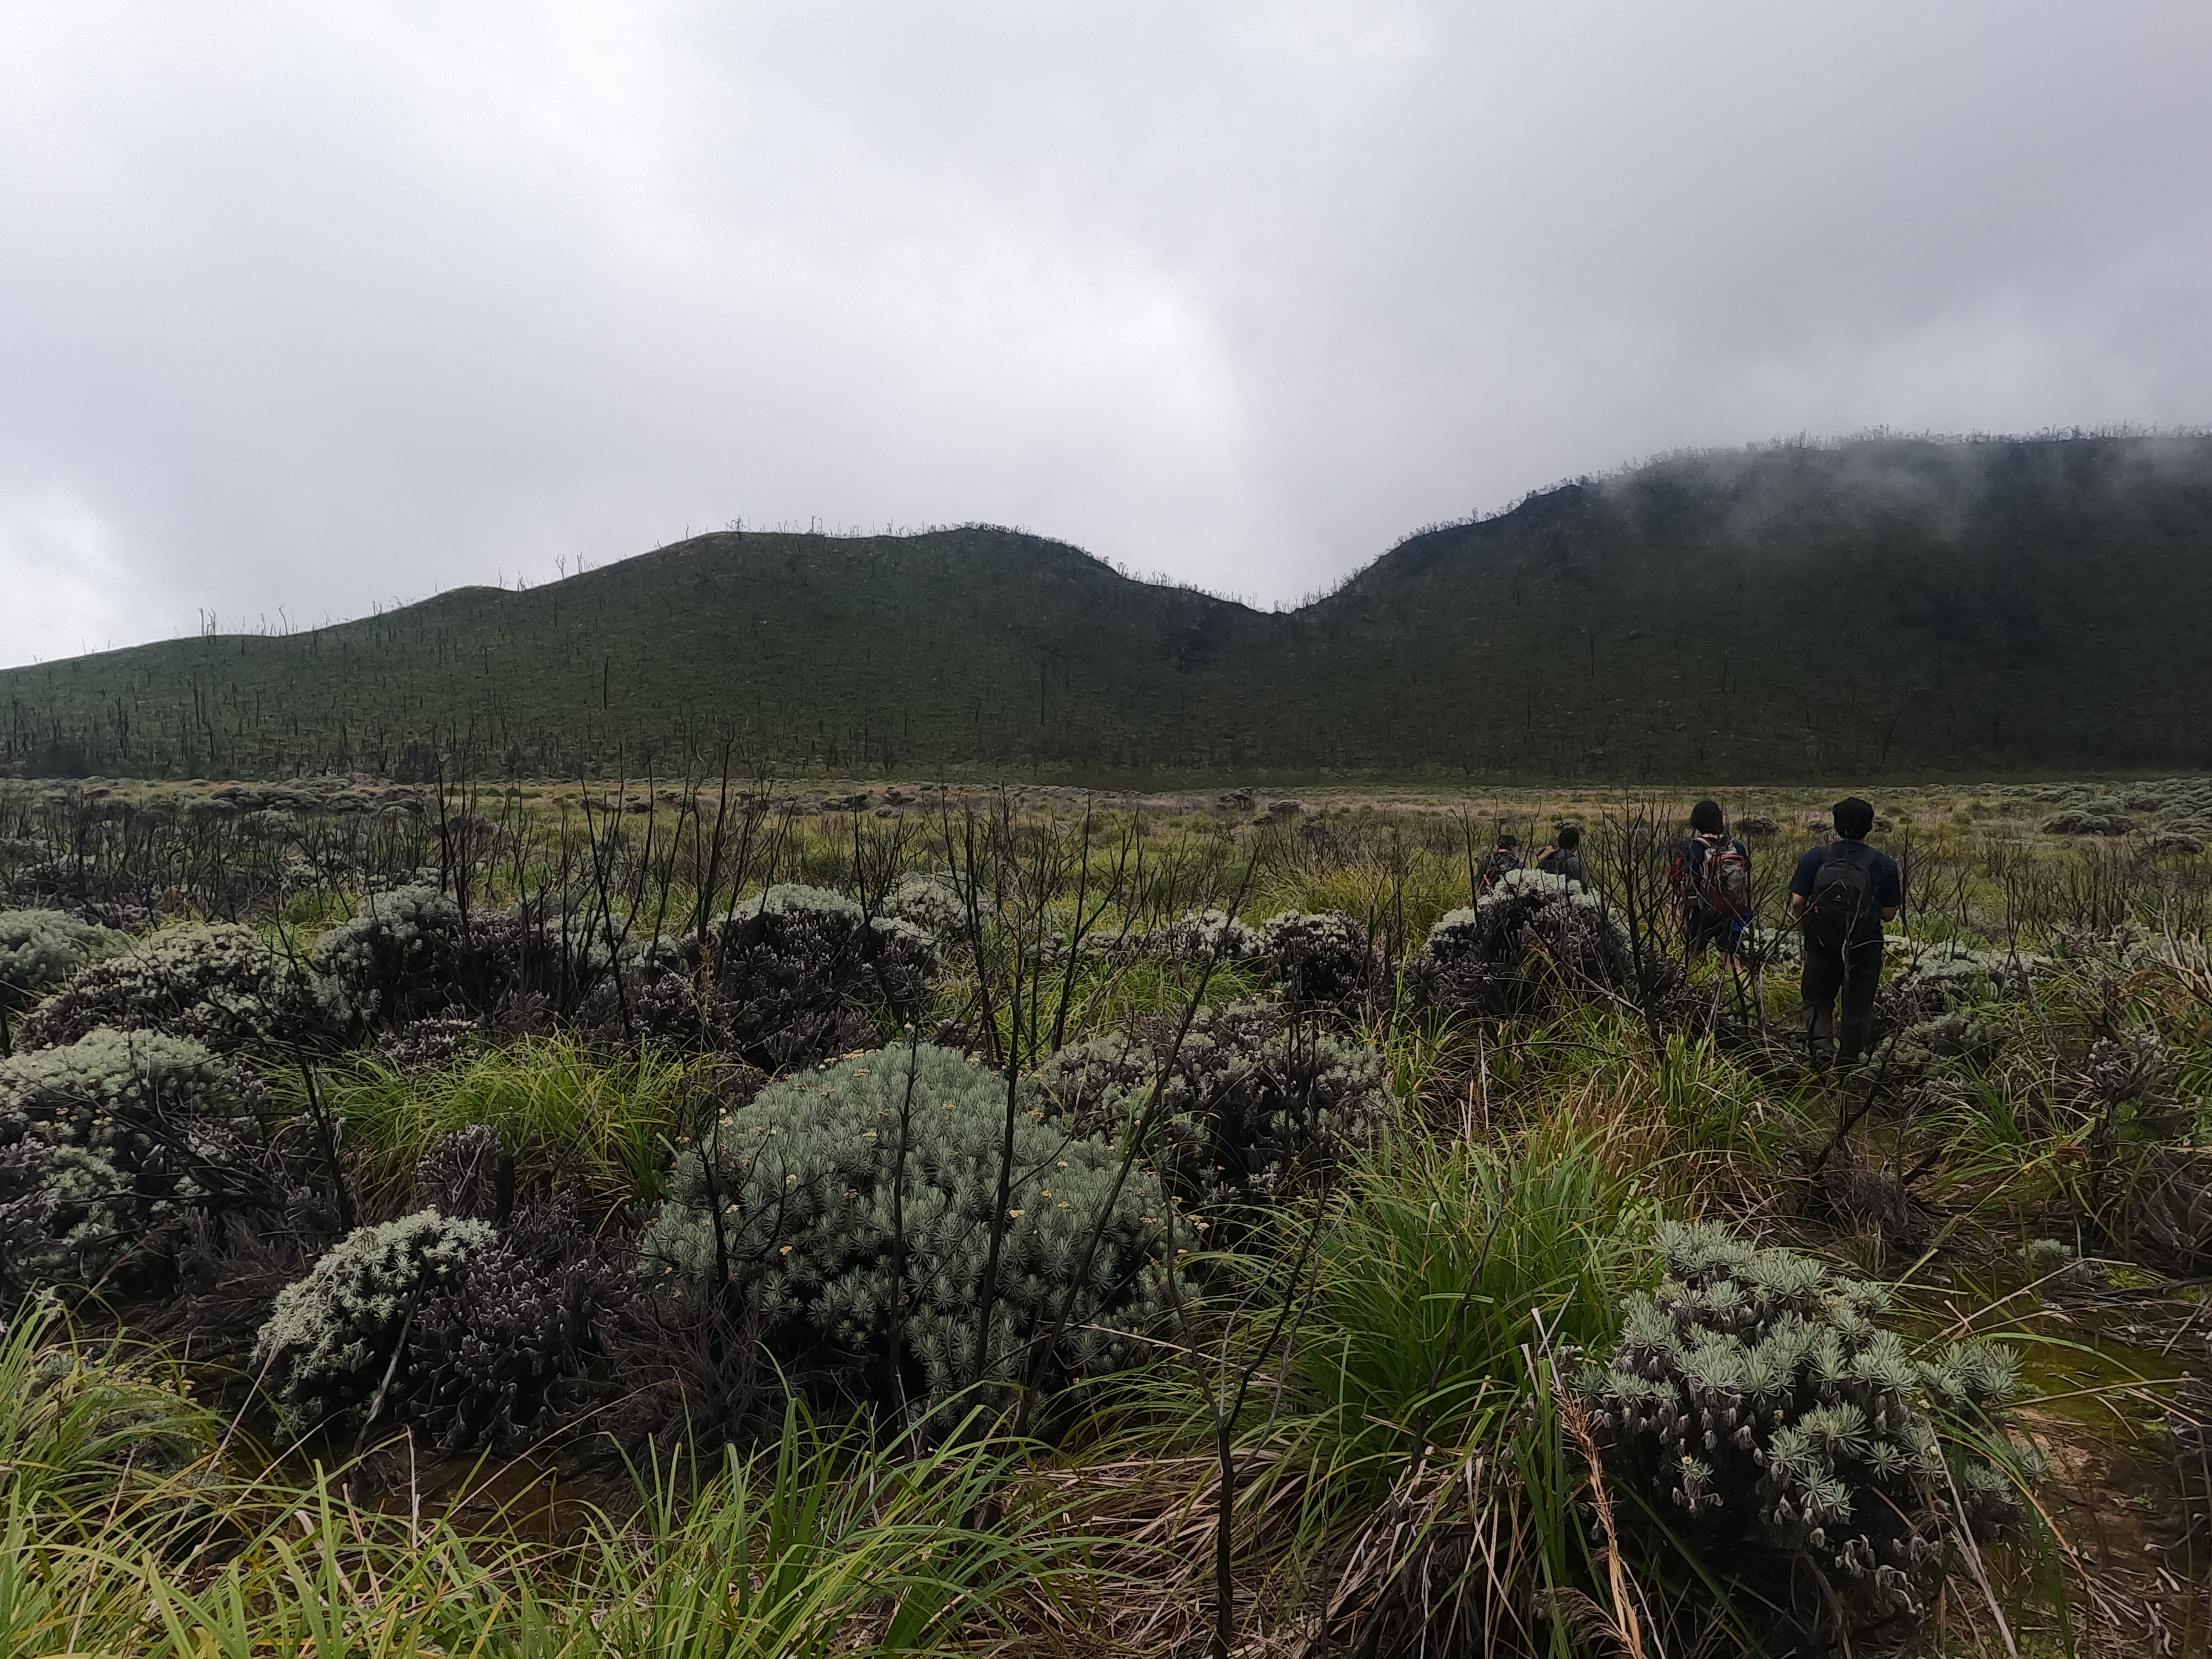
(394, 960)
(218, 983)
(39, 949)
(844, 1201)
(107, 1142)
(1255, 1104)
(1757, 1401)
(330, 1339)
(1326, 959)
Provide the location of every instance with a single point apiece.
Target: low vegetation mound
(855, 1207)
(1757, 1399)
(109, 1144)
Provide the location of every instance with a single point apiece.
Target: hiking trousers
(1853, 973)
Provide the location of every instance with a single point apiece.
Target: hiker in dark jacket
(1497, 861)
(1711, 878)
(1841, 894)
(1563, 857)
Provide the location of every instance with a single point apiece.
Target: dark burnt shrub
(484, 1314)
(852, 1208)
(793, 977)
(111, 1144)
(1325, 960)
(502, 1359)
(531, 967)
(1757, 1400)
(2095, 817)
(1532, 932)
(396, 960)
(690, 1367)
(2171, 1223)
(331, 1339)
(469, 1174)
(424, 1044)
(1257, 1103)
(91, 891)
(218, 983)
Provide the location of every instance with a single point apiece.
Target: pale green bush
(395, 960)
(329, 1342)
(107, 1141)
(218, 984)
(1757, 1399)
(39, 949)
(807, 1183)
(1255, 1104)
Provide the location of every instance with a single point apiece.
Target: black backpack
(1843, 894)
(1501, 860)
(1565, 864)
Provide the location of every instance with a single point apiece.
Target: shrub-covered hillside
(1893, 607)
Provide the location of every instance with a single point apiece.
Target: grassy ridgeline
(1888, 607)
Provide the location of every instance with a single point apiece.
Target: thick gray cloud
(313, 307)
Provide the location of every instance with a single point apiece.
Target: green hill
(1882, 607)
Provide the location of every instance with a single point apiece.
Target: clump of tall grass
(125, 1533)
(1379, 1399)
(1445, 1263)
(606, 1118)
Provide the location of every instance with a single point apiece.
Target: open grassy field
(698, 1218)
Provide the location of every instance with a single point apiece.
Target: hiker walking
(1563, 857)
(1841, 893)
(1498, 861)
(1711, 878)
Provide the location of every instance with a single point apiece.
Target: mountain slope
(1880, 607)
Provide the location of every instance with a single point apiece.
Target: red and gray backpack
(1725, 883)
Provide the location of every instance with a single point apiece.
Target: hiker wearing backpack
(1711, 878)
(1499, 861)
(1841, 894)
(1563, 857)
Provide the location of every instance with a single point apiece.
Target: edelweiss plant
(39, 949)
(932, 902)
(107, 1141)
(394, 961)
(1257, 1104)
(790, 978)
(1203, 935)
(1325, 959)
(218, 984)
(1479, 958)
(329, 1340)
(1756, 1398)
(853, 1207)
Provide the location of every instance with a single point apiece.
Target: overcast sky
(313, 307)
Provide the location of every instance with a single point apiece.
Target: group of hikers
(1840, 894)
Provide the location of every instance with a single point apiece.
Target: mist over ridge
(1881, 604)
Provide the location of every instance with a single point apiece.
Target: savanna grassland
(717, 1217)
